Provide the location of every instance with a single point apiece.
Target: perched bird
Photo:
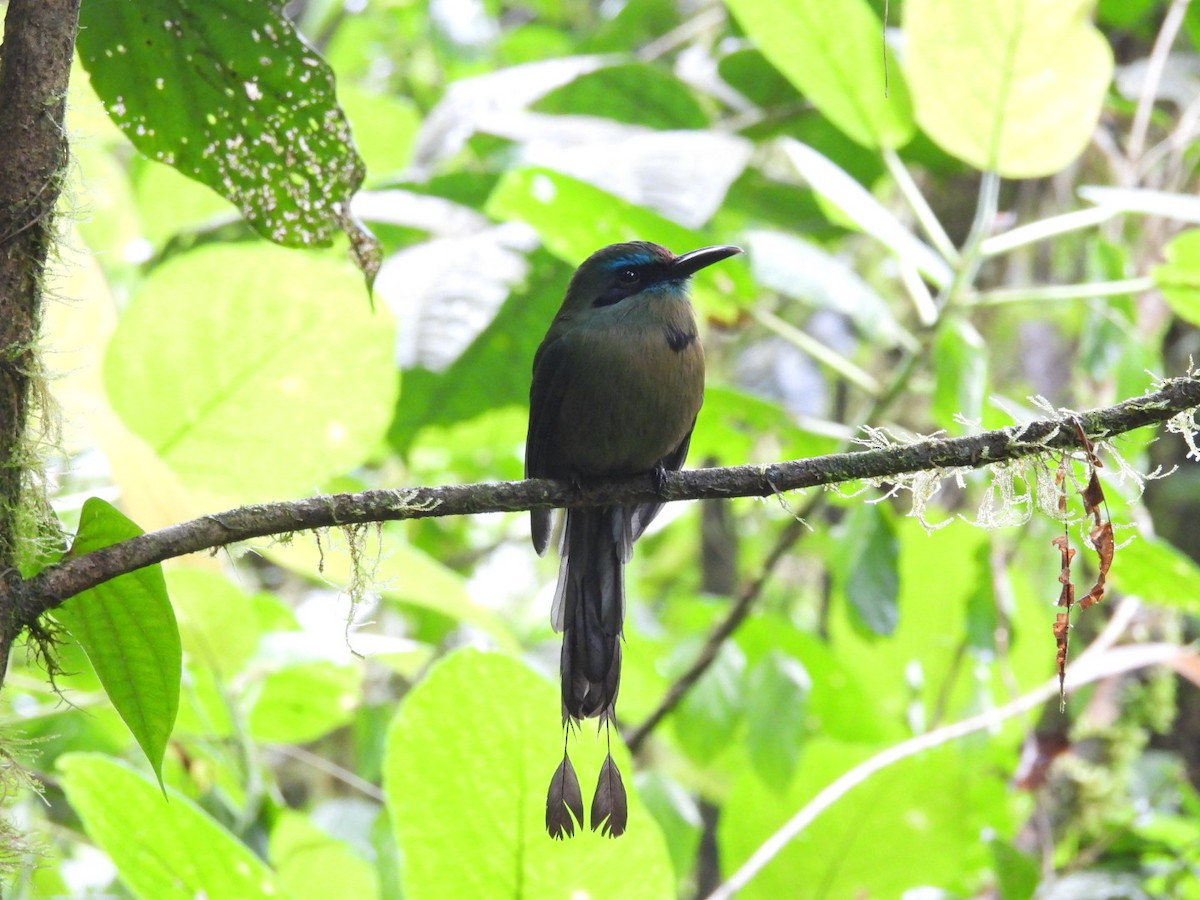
(617, 383)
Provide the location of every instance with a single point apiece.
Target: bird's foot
(659, 476)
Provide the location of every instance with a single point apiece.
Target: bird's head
(619, 271)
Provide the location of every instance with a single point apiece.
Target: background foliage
(1000, 212)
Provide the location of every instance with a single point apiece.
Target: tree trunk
(35, 65)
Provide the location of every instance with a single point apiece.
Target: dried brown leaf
(610, 806)
(1087, 445)
(1102, 539)
(1093, 497)
(1062, 638)
(1064, 574)
(1066, 596)
(1060, 479)
(563, 800)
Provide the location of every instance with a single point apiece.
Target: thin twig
(1059, 292)
(1044, 229)
(926, 217)
(1153, 76)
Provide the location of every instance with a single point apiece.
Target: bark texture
(35, 65)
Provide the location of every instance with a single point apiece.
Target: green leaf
(574, 219)
(206, 602)
(1017, 874)
(918, 671)
(1154, 570)
(833, 52)
(495, 369)
(1010, 86)
(931, 808)
(229, 94)
(960, 366)
(776, 713)
(314, 865)
(162, 851)
(634, 93)
(469, 757)
(709, 714)
(301, 703)
(850, 199)
(747, 71)
(870, 574)
(677, 815)
(226, 354)
(1179, 277)
(127, 628)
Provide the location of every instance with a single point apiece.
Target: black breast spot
(678, 339)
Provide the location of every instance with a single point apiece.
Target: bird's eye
(628, 276)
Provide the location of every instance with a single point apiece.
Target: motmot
(617, 384)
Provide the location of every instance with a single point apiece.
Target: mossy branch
(34, 597)
(35, 64)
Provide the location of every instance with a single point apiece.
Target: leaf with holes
(229, 94)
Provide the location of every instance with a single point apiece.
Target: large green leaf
(468, 761)
(229, 94)
(1179, 277)
(709, 714)
(869, 570)
(927, 811)
(636, 93)
(833, 52)
(1157, 572)
(1011, 86)
(300, 703)
(776, 713)
(230, 361)
(315, 866)
(162, 851)
(127, 628)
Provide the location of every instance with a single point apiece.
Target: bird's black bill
(691, 263)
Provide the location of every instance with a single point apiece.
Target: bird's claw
(659, 476)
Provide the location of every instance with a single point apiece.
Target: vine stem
(1061, 292)
(1155, 66)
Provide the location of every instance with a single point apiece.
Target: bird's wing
(643, 514)
(545, 400)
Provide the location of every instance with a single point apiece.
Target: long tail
(589, 608)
